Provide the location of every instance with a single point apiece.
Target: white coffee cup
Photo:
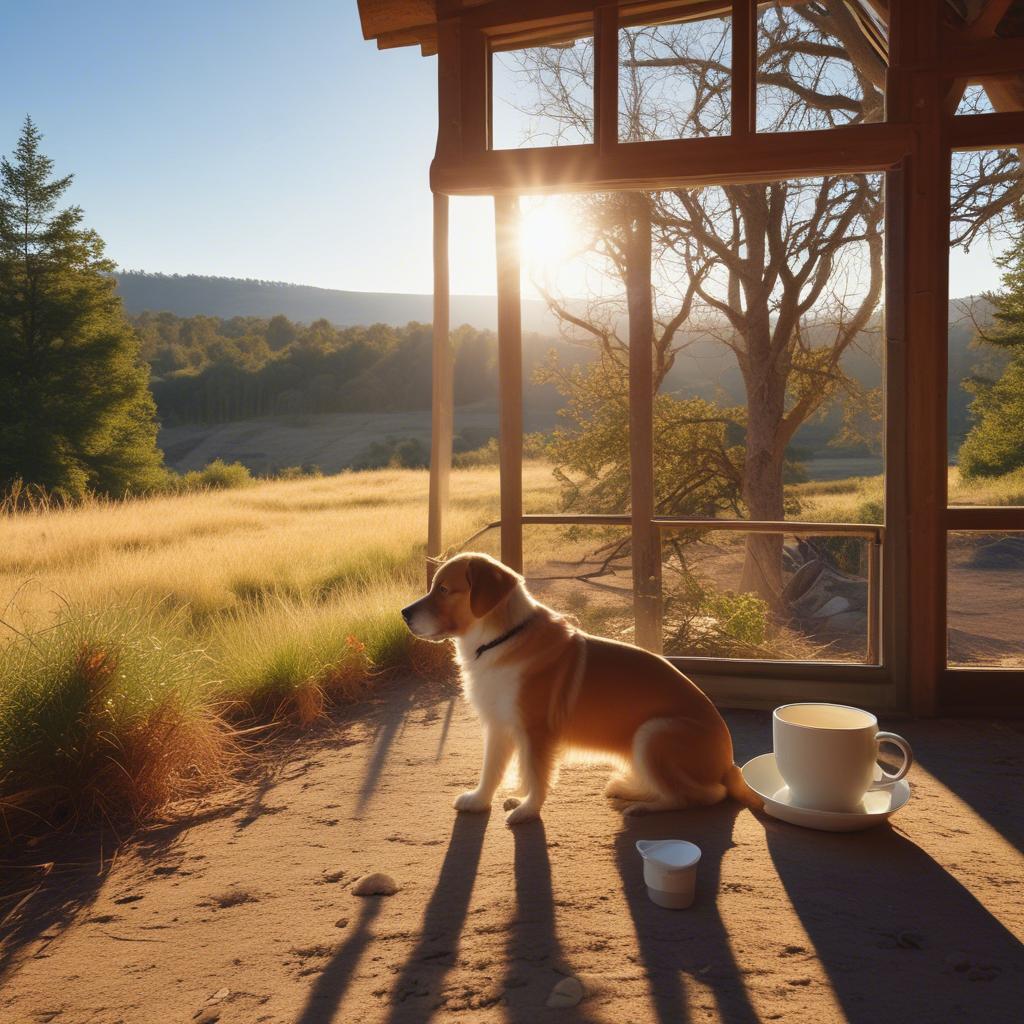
(827, 754)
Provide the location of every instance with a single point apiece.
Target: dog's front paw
(472, 801)
(524, 812)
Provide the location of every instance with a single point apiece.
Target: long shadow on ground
(533, 951)
(417, 994)
(982, 762)
(676, 944)
(899, 938)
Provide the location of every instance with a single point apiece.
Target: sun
(547, 236)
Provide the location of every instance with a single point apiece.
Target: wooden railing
(873, 534)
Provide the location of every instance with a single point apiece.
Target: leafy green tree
(75, 409)
(995, 444)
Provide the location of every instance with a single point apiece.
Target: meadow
(142, 641)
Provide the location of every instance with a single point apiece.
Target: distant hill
(399, 382)
(196, 295)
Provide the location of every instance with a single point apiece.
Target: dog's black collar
(504, 636)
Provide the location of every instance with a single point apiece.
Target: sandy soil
(246, 913)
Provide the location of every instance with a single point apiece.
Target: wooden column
(744, 51)
(510, 379)
(645, 535)
(606, 78)
(918, 94)
(441, 415)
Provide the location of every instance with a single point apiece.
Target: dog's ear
(489, 583)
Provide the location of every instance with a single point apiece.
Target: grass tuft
(105, 715)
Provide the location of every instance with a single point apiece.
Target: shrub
(217, 476)
(106, 715)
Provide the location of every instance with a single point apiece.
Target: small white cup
(670, 871)
(827, 754)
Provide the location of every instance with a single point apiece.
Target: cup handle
(908, 759)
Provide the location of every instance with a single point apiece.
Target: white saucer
(762, 775)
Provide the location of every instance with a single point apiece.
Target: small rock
(376, 884)
(568, 992)
(342, 922)
(958, 961)
(221, 993)
(207, 1015)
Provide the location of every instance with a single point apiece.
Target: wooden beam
(985, 24)
(645, 537)
(442, 412)
(606, 79)
(672, 163)
(510, 379)
(985, 518)
(380, 16)
(987, 131)
(976, 58)
(744, 53)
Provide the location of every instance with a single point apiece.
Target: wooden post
(510, 379)
(744, 52)
(918, 95)
(442, 398)
(646, 539)
(606, 77)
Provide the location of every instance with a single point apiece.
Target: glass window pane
(675, 81)
(985, 600)
(712, 609)
(985, 403)
(543, 95)
(974, 101)
(819, 65)
(584, 572)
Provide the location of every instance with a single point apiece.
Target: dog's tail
(737, 788)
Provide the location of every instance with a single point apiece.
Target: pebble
(568, 992)
(376, 884)
(221, 993)
(207, 1015)
(342, 922)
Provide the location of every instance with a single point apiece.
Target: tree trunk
(762, 484)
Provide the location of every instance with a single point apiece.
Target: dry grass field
(138, 638)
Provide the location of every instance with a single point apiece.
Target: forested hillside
(209, 370)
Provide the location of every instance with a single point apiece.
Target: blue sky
(249, 138)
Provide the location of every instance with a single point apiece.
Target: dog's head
(465, 589)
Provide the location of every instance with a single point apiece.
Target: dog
(543, 688)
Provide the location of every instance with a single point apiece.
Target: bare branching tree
(787, 275)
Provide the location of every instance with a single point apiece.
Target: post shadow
(443, 739)
(414, 996)
(675, 943)
(982, 762)
(887, 923)
(534, 958)
(334, 980)
(393, 721)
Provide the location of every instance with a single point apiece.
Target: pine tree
(995, 444)
(76, 413)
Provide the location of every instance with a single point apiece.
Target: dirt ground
(245, 913)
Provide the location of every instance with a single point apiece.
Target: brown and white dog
(543, 688)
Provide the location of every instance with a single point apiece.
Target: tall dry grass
(134, 635)
(132, 632)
